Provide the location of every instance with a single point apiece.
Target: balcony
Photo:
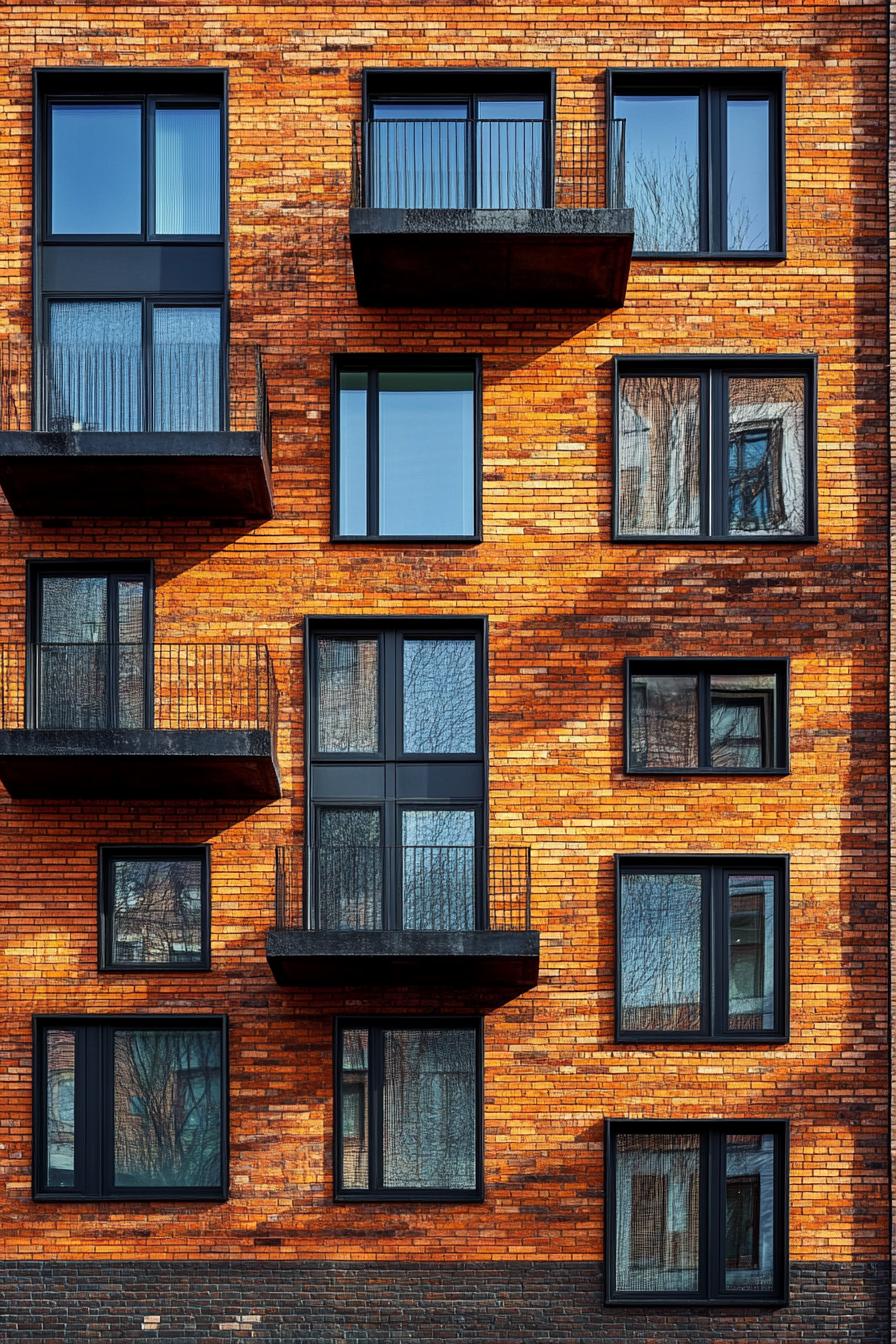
(90, 431)
(427, 915)
(120, 721)
(487, 214)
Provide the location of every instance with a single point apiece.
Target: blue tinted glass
(188, 170)
(426, 454)
(353, 453)
(662, 164)
(748, 175)
(510, 162)
(94, 367)
(96, 169)
(186, 355)
(416, 156)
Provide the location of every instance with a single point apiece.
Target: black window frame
(137, 570)
(372, 1125)
(714, 86)
(714, 869)
(107, 856)
(94, 1102)
(372, 365)
(703, 669)
(711, 1260)
(714, 372)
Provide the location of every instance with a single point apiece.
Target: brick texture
(565, 605)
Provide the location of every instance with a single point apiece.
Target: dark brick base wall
(376, 1303)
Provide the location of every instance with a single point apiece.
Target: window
(407, 449)
(447, 140)
(130, 222)
(707, 716)
(409, 1109)
(154, 908)
(701, 950)
(400, 846)
(696, 1212)
(703, 159)
(90, 665)
(130, 1108)
(715, 449)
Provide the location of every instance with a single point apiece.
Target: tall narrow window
(407, 449)
(154, 908)
(409, 1109)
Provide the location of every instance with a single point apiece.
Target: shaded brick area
(382, 1303)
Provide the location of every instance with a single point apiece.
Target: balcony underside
(504, 962)
(139, 763)
(491, 258)
(135, 475)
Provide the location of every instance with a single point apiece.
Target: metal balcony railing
(424, 888)
(443, 164)
(91, 686)
(181, 387)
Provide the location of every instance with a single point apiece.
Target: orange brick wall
(565, 606)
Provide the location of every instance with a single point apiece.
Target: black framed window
(89, 645)
(701, 948)
(397, 775)
(720, 449)
(154, 908)
(696, 1212)
(407, 448)
(707, 716)
(130, 1107)
(703, 159)
(458, 139)
(409, 1109)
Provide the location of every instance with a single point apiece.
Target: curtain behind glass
(186, 369)
(188, 170)
(429, 1110)
(657, 1212)
(94, 373)
(73, 655)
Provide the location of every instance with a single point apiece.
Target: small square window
(701, 949)
(130, 1108)
(713, 716)
(696, 1212)
(409, 1109)
(720, 450)
(406, 449)
(154, 908)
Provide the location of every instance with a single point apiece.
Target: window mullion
(708, 520)
(712, 1205)
(373, 452)
(710, 1024)
(704, 712)
(375, 1065)
(712, 181)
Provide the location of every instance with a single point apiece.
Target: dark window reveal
(697, 1212)
(409, 1108)
(130, 1108)
(155, 908)
(725, 716)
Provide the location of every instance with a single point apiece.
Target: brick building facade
(553, 599)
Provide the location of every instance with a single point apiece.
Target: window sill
(668, 1300)
(710, 256)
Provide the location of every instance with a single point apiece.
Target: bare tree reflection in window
(349, 868)
(60, 1106)
(659, 455)
(439, 690)
(429, 1110)
(663, 722)
(438, 868)
(157, 910)
(661, 936)
(766, 456)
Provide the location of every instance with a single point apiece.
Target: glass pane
(131, 654)
(353, 453)
(94, 373)
(510, 154)
(439, 690)
(417, 156)
(663, 732)
(186, 369)
(167, 1108)
(657, 1212)
(749, 1213)
(748, 175)
(742, 719)
(659, 445)
(349, 889)
(751, 951)
(662, 164)
(60, 1104)
(73, 655)
(429, 1110)
(438, 888)
(156, 914)
(348, 687)
(661, 946)
(188, 170)
(766, 456)
(95, 175)
(426, 454)
(354, 1083)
